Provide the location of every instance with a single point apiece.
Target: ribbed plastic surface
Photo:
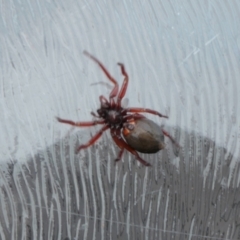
(182, 58)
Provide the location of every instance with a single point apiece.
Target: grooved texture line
(182, 58)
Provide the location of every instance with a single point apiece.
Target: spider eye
(130, 126)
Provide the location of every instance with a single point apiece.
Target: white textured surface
(182, 58)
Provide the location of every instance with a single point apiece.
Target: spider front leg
(114, 92)
(146, 110)
(93, 139)
(124, 85)
(80, 124)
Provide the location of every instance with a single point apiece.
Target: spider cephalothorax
(112, 113)
(124, 123)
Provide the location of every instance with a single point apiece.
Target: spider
(129, 129)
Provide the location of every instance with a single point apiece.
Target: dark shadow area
(189, 194)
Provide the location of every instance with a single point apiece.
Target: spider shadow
(196, 185)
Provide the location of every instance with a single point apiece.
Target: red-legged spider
(123, 121)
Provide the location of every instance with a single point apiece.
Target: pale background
(183, 60)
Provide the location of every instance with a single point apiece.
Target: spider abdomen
(144, 135)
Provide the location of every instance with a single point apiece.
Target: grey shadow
(188, 194)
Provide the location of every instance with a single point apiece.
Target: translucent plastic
(182, 58)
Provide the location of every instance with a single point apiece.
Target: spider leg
(121, 149)
(124, 85)
(146, 110)
(119, 155)
(94, 114)
(80, 124)
(171, 138)
(114, 92)
(123, 145)
(131, 117)
(93, 139)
